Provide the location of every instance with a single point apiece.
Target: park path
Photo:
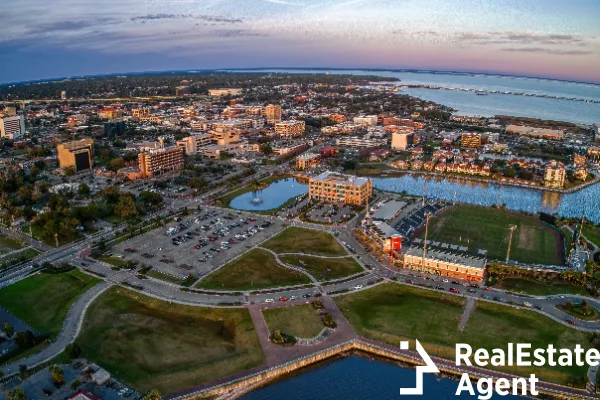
(69, 332)
(468, 310)
(276, 354)
(288, 266)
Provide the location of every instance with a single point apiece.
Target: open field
(256, 269)
(19, 257)
(300, 321)
(324, 269)
(152, 344)
(568, 238)
(302, 240)
(592, 233)
(391, 313)
(487, 228)
(42, 301)
(10, 243)
(536, 288)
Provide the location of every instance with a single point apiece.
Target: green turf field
(487, 228)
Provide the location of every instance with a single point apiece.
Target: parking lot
(198, 243)
(330, 213)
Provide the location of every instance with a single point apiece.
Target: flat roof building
(160, 161)
(339, 188)
(193, 144)
(224, 92)
(401, 140)
(78, 154)
(307, 161)
(273, 113)
(470, 140)
(290, 128)
(445, 263)
(12, 126)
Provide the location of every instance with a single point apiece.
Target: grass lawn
(487, 228)
(391, 313)
(42, 301)
(536, 288)
(19, 257)
(590, 314)
(149, 343)
(302, 240)
(11, 243)
(299, 321)
(324, 269)
(116, 261)
(256, 269)
(165, 277)
(568, 237)
(592, 233)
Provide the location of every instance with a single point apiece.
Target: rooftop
(331, 176)
(389, 210)
(444, 256)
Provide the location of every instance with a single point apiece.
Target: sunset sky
(546, 38)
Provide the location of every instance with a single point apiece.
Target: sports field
(486, 228)
(153, 344)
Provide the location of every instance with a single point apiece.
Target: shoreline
(459, 177)
(244, 382)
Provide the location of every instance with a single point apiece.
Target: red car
(487, 289)
(409, 281)
(570, 322)
(454, 290)
(211, 239)
(283, 299)
(252, 219)
(197, 247)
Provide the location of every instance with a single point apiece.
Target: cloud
(548, 51)
(202, 17)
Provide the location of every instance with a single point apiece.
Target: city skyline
(550, 39)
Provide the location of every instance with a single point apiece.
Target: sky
(42, 39)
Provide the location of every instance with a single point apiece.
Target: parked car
(454, 290)
(409, 281)
(283, 299)
(268, 300)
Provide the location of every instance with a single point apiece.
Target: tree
(16, 394)
(126, 208)
(84, 190)
(73, 351)
(116, 164)
(266, 149)
(58, 376)
(23, 372)
(9, 330)
(69, 171)
(152, 395)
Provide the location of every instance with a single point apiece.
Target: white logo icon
(429, 367)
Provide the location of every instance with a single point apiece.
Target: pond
(273, 196)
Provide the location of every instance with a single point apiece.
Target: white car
(357, 287)
(293, 297)
(445, 280)
(268, 300)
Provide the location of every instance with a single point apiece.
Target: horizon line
(258, 69)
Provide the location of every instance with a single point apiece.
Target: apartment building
(193, 144)
(359, 141)
(470, 140)
(554, 174)
(11, 126)
(78, 154)
(542, 133)
(224, 92)
(401, 140)
(307, 161)
(445, 263)
(272, 113)
(290, 128)
(593, 153)
(110, 113)
(160, 161)
(339, 188)
(370, 120)
(140, 113)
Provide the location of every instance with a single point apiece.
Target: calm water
(586, 201)
(356, 378)
(271, 197)
(468, 103)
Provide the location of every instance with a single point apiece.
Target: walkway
(468, 310)
(69, 332)
(288, 266)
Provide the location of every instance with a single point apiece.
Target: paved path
(288, 266)
(468, 310)
(69, 332)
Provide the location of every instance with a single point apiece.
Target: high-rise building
(160, 161)
(78, 154)
(554, 174)
(63, 95)
(339, 188)
(401, 140)
(115, 128)
(193, 144)
(273, 113)
(12, 126)
(290, 128)
(596, 128)
(470, 140)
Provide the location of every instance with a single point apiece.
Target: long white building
(12, 127)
